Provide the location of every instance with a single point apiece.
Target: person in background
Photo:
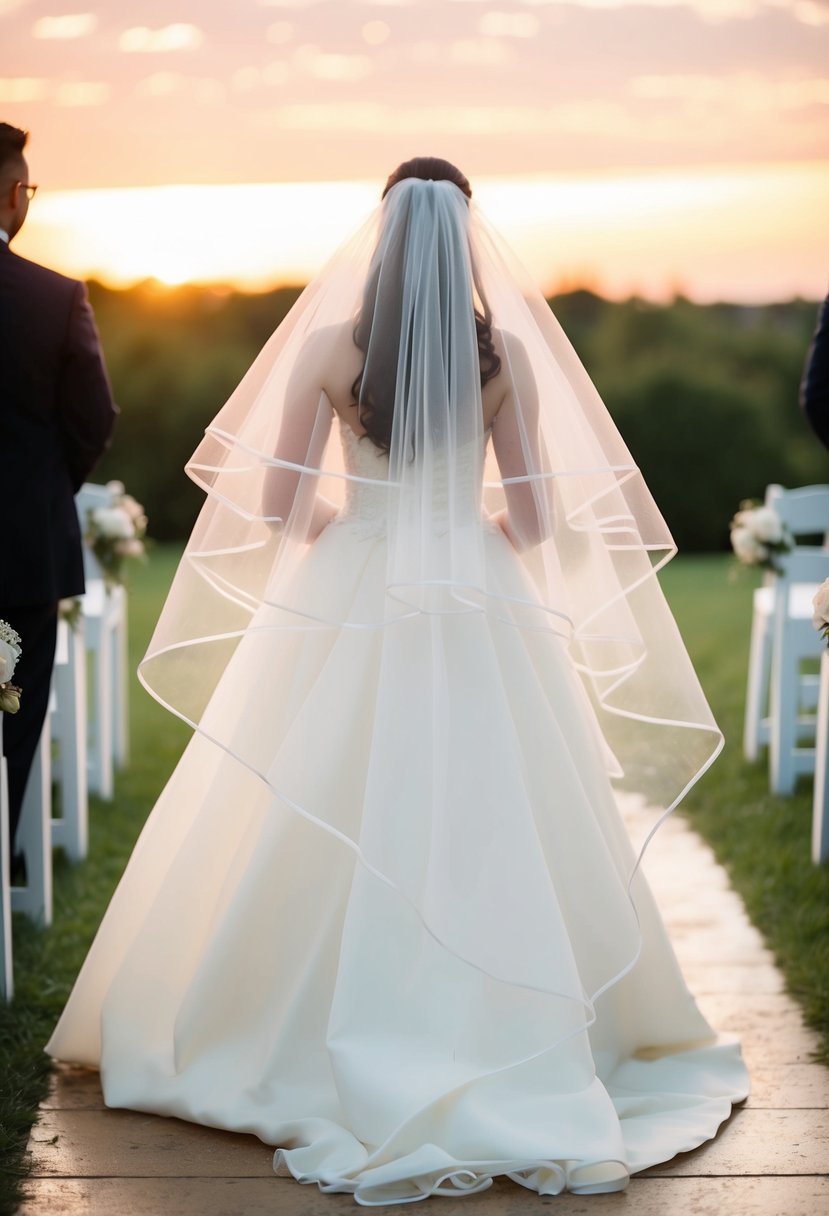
(814, 387)
(56, 418)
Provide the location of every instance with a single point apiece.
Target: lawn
(762, 840)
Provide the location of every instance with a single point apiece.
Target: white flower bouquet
(759, 537)
(115, 533)
(820, 614)
(10, 651)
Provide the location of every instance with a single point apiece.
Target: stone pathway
(771, 1157)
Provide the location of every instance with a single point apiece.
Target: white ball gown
(385, 914)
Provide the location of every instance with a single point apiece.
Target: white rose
(113, 523)
(135, 511)
(766, 525)
(820, 603)
(131, 506)
(747, 547)
(8, 661)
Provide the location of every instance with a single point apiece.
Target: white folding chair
(104, 611)
(68, 730)
(6, 965)
(820, 802)
(37, 831)
(34, 837)
(806, 512)
(793, 696)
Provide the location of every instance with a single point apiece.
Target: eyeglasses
(31, 191)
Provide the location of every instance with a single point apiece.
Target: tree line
(705, 396)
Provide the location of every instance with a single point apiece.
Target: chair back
(805, 511)
(803, 568)
(88, 497)
(805, 564)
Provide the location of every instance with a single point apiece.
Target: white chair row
(60, 757)
(781, 698)
(86, 739)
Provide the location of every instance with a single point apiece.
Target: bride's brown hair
(429, 169)
(374, 396)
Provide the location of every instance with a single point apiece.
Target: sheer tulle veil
(407, 288)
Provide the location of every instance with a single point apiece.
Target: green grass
(762, 840)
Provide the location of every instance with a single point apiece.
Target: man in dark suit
(56, 417)
(814, 387)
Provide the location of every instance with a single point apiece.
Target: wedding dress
(385, 914)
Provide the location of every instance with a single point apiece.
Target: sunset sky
(647, 146)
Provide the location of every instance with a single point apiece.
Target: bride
(385, 914)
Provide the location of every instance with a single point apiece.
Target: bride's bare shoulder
(327, 341)
(330, 351)
(508, 347)
(512, 374)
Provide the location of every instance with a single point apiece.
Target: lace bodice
(365, 509)
(366, 506)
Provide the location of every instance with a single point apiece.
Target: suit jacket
(56, 417)
(814, 387)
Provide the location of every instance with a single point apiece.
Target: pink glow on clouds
(140, 94)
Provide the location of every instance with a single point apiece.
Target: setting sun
(648, 232)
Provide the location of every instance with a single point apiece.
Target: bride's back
(340, 363)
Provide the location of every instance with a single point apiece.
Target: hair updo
(428, 169)
(374, 401)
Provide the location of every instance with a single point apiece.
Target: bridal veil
(416, 287)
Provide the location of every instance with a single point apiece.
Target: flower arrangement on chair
(759, 537)
(10, 651)
(115, 533)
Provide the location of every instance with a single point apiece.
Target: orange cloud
(70, 26)
(178, 37)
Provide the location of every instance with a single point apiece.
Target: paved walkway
(772, 1157)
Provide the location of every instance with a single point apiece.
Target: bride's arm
(515, 440)
(290, 495)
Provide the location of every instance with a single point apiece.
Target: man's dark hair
(12, 143)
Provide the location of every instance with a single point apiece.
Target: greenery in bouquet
(10, 651)
(759, 537)
(116, 533)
